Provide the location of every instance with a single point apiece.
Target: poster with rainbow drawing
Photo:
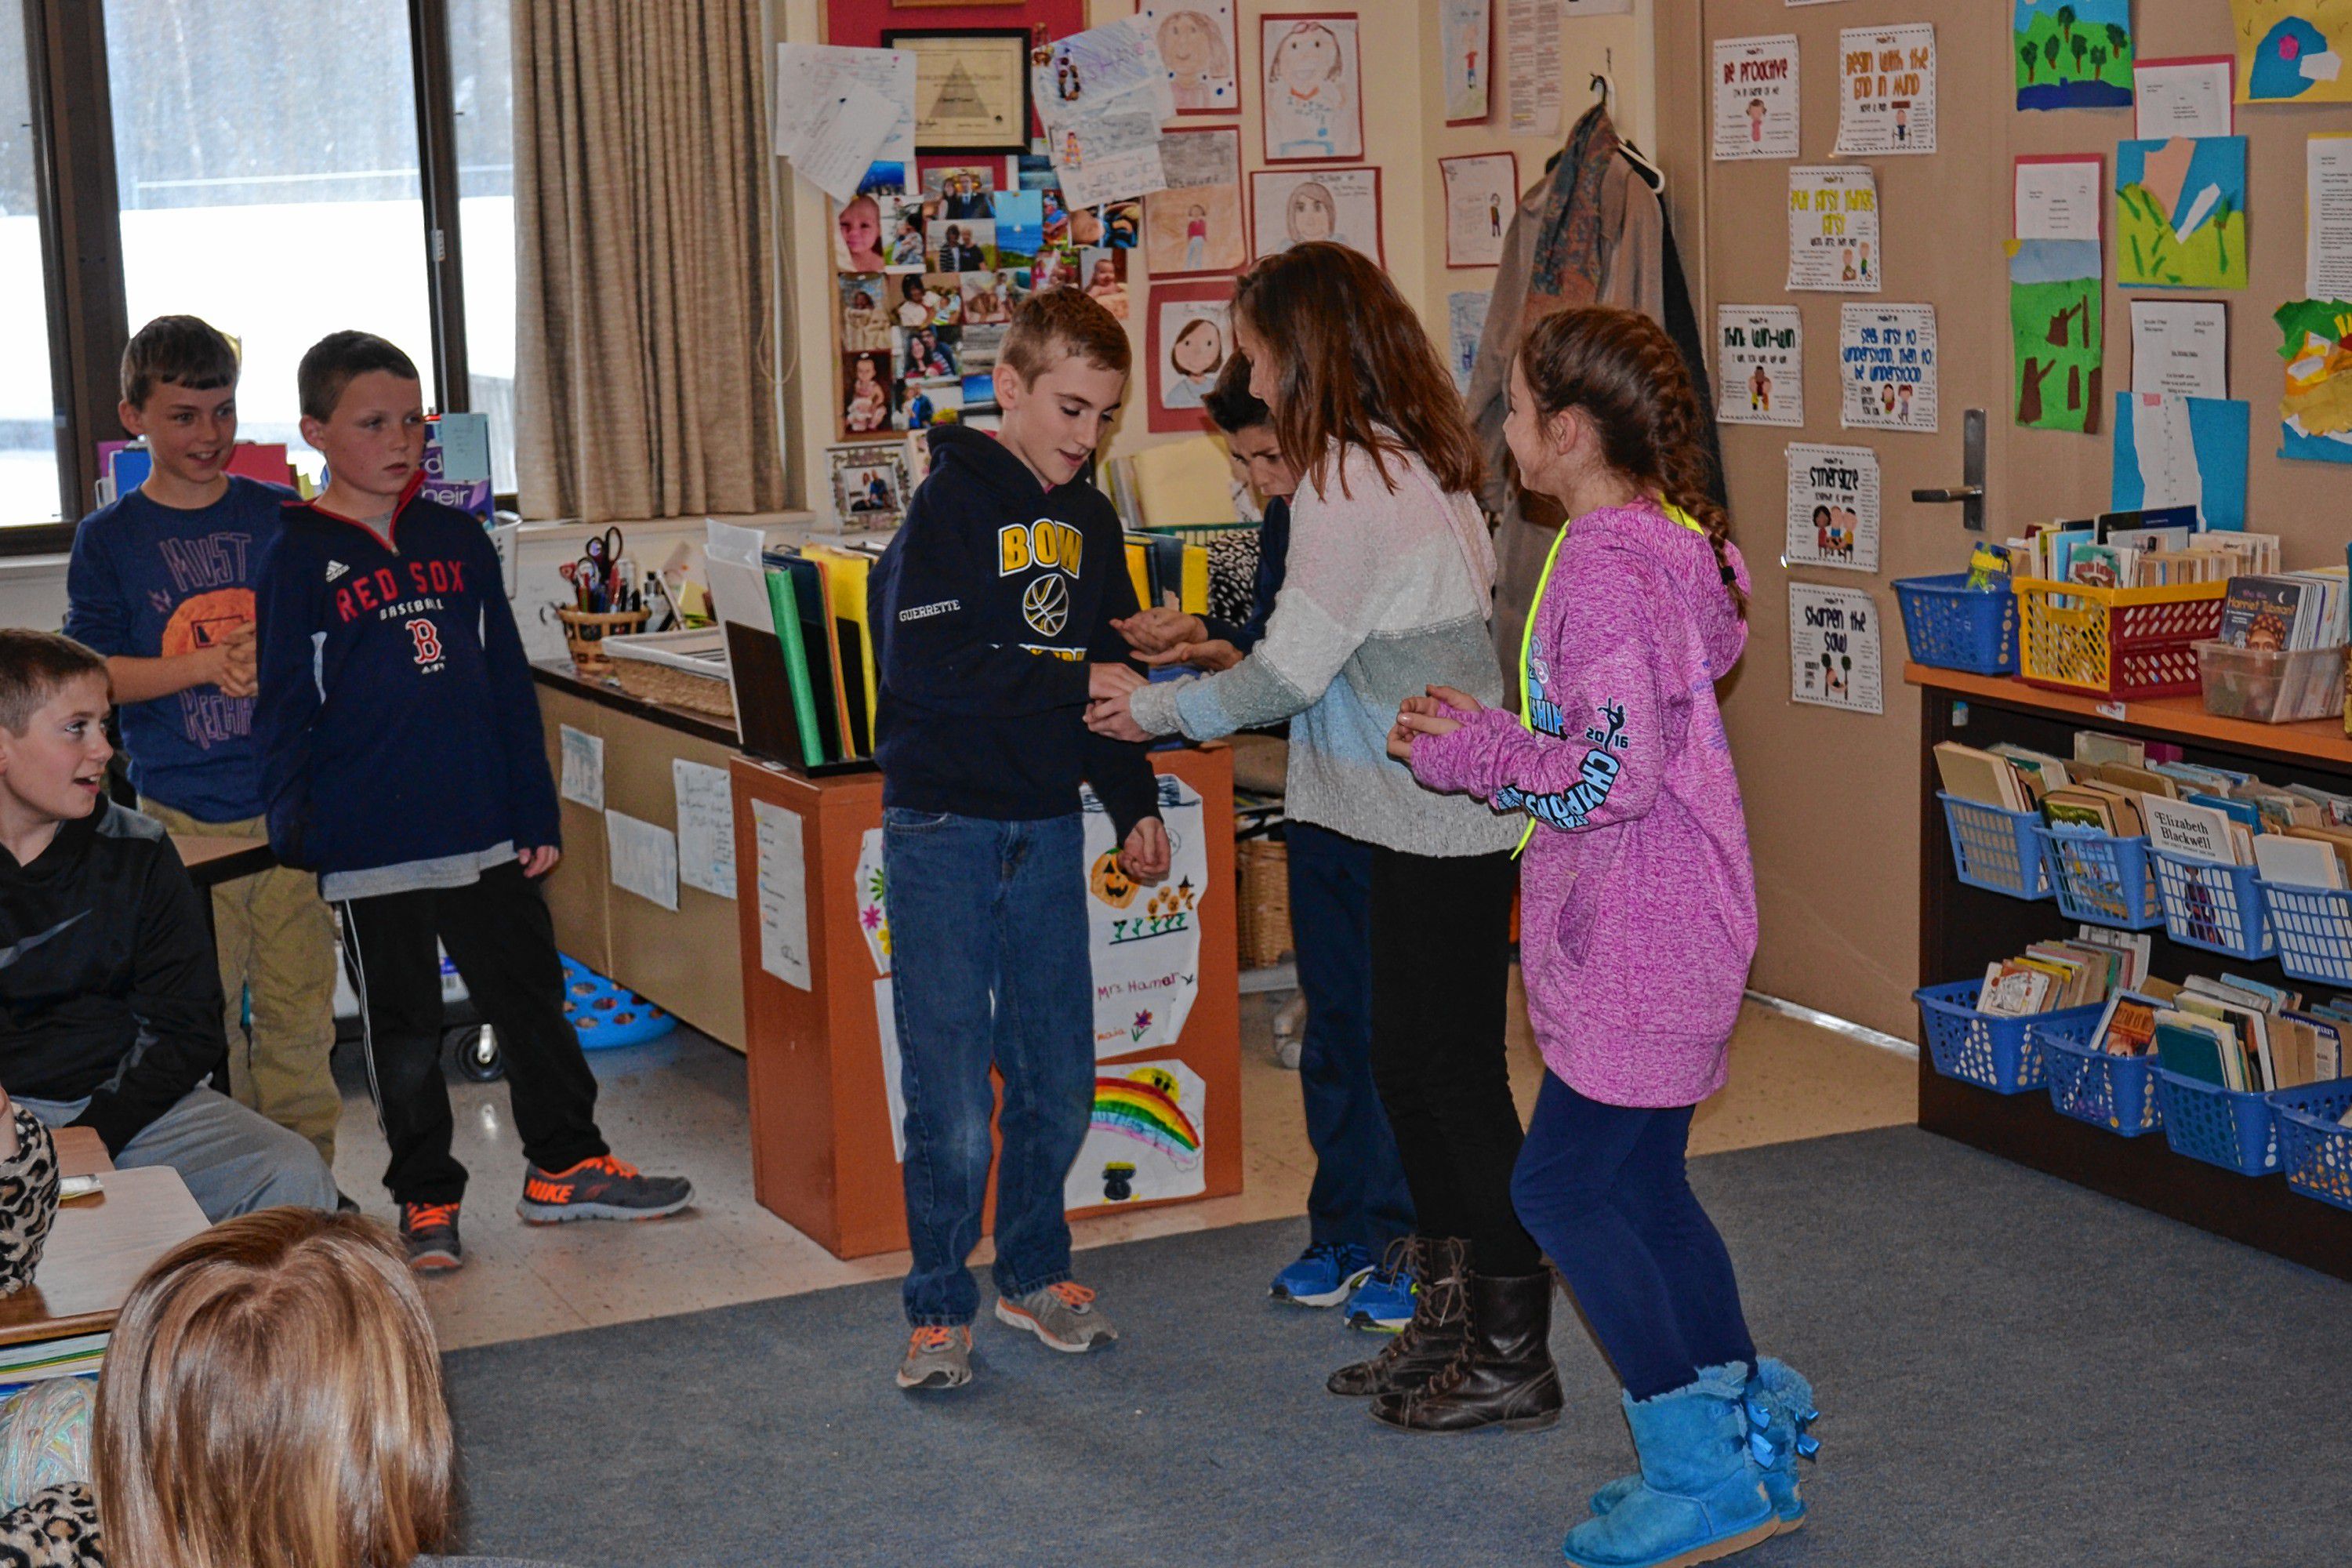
(1145, 939)
(1145, 1138)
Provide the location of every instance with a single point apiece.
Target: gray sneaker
(1065, 1316)
(937, 1358)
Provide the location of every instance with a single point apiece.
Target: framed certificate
(971, 88)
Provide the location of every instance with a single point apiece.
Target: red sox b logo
(428, 641)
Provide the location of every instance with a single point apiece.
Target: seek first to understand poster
(1886, 367)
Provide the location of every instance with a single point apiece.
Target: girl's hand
(1212, 655)
(1104, 681)
(1411, 722)
(1457, 699)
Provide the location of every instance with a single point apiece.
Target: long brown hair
(271, 1395)
(1622, 369)
(1354, 367)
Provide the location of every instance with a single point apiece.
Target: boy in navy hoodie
(994, 609)
(401, 760)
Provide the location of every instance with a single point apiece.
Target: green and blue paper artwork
(2180, 213)
(2076, 55)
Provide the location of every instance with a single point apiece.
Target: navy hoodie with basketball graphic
(396, 721)
(987, 608)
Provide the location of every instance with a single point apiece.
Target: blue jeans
(988, 948)
(1359, 1197)
(1602, 1190)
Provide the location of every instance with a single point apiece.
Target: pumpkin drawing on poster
(1146, 940)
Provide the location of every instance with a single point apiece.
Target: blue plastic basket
(2101, 878)
(1998, 1054)
(1954, 627)
(2229, 1128)
(2218, 908)
(605, 1016)
(2314, 929)
(1997, 849)
(2314, 1149)
(2090, 1084)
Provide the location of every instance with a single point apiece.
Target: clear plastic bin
(2269, 687)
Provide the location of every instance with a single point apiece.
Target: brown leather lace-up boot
(1438, 1331)
(1504, 1376)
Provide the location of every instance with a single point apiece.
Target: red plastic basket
(2124, 643)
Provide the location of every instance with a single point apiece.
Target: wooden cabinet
(821, 1152)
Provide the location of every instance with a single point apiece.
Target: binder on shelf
(817, 743)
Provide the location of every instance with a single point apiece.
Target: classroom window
(481, 70)
(30, 487)
(267, 181)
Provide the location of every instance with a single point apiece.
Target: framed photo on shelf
(1314, 87)
(971, 88)
(1291, 206)
(1200, 46)
(1189, 337)
(870, 483)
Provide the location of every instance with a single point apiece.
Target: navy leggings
(1601, 1189)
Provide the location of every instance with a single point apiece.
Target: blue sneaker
(1382, 1304)
(1323, 1275)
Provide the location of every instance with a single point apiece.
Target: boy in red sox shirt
(401, 760)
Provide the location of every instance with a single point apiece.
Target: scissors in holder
(604, 550)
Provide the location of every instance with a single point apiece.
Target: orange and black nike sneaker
(429, 1232)
(601, 1188)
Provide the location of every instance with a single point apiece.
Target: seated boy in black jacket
(110, 997)
(994, 610)
(401, 760)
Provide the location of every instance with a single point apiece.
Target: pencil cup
(585, 632)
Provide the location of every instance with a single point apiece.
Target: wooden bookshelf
(1962, 929)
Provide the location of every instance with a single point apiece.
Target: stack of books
(2286, 612)
(2050, 975)
(2245, 1035)
(817, 593)
(2151, 549)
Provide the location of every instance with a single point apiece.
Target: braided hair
(1622, 369)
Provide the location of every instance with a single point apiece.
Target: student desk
(97, 1251)
(685, 959)
(821, 1152)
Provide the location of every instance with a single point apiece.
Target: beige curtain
(645, 264)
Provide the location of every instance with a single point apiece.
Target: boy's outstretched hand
(537, 863)
(1144, 856)
(1106, 681)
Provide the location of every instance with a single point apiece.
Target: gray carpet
(2013, 1371)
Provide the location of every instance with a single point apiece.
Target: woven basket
(583, 630)
(1265, 901)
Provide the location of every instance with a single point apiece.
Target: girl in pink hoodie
(1637, 920)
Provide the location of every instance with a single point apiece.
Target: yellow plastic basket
(2125, 643)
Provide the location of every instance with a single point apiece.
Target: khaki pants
(278, 939)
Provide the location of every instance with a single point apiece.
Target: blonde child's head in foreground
(53, 744)
(1060, 379)
(272, 1395)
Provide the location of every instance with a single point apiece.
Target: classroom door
(1832, 793)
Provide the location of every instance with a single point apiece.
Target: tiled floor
(678, 1105)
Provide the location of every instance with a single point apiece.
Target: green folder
(787, 617)
(2190, 1053)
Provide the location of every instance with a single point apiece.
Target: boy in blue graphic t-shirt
(161, 583)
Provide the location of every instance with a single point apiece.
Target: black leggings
(1441, 979)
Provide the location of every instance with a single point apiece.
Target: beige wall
(1404, 134)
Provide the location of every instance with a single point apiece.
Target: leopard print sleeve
(28, 1204)
(56, 1528)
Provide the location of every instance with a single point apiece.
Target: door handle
(1971, 491)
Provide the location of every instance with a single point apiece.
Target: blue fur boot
(1779, 1409)
(1701, 1496)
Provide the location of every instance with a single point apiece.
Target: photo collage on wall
(929, 279)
